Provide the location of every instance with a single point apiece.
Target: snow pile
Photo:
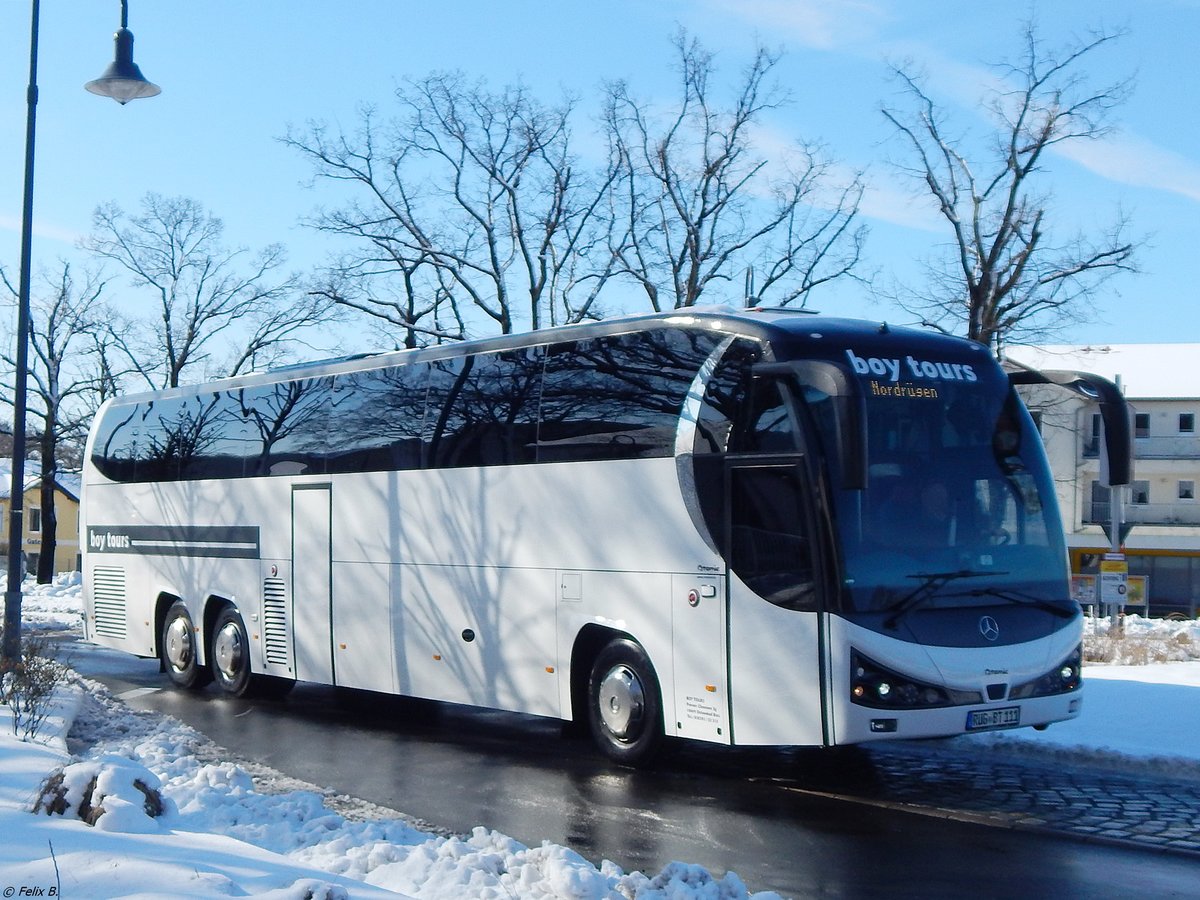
(112, 794)
(214, 832)
(57, 606)
(251, 841)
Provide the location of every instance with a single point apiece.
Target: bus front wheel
(231, 653)
(177, 649)
(625, 705)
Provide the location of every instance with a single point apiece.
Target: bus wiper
(1020, 599)
(931, 583)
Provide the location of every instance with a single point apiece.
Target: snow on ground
(220, 835)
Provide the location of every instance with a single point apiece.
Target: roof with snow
(1146, 371)
(69, 483)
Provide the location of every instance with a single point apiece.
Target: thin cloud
(1127, 159)
(40, 229)
(883, 199)
(1120, 158)
(887, 202)
(819, 24)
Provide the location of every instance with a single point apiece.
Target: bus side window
(619, 396)
(376, 418)
(289, 422)
(115, 448)
(769, 426)
(169, 437)
(205, 429)
(482, 410)
(724, 398)
(769, 547)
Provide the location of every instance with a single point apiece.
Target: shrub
(27, 687)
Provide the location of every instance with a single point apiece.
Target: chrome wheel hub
(180, 652)
(228, 651)
(622, 701)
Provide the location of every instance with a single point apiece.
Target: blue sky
(235, 75)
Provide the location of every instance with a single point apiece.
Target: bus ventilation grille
(108, 601)
(275, 621)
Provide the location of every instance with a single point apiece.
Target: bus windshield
(957, 488)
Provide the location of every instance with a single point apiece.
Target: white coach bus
(745, 527)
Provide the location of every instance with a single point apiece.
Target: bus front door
(312, 594)
(777, 667)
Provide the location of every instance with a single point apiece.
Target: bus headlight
(875, 686)
(1067, 676)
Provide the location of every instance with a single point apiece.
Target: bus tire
(231, 653)
(177, 649)
(625, 704)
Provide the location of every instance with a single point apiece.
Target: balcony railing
(1186, 446)
(1182, 514)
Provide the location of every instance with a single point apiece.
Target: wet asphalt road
(803, 823)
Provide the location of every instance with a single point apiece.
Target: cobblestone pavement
(1087, 800)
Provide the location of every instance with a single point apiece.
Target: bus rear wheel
(231, 653)
(177, 649)
(625, 704)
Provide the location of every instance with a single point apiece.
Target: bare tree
(698, 204)
(1006, 274)
(224, 310)
(468, 201)
(62, 389)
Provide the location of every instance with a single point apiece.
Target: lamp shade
(123, 80)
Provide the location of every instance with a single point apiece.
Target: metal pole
(1116, 501)
(10, 653)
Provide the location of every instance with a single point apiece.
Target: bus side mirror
(1116, 454)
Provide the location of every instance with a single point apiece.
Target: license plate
(980, 719)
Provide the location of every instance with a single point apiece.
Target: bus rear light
(874, 686)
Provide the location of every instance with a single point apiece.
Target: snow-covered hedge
(1138, 641)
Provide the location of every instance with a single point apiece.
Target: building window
(1187, 423)
(1091, 444)
(1187, 490)
(1139, 493)
(35, 520)
(1141, 425)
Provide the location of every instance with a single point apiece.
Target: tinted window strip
(610, 397)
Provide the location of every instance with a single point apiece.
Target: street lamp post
(123, 82)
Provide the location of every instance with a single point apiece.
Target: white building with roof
(1162, 383)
